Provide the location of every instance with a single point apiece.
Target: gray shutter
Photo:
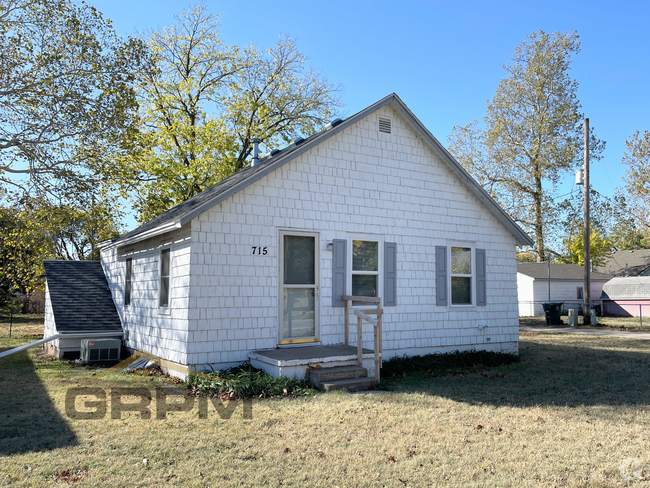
(339, 257)
(390, 274)
(441, 275)
(481, 278)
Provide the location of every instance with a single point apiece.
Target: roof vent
(275, 151)
(333, 123)
(256, 151)
(298, 141)
(385, 125)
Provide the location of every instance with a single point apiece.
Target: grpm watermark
(97, 407)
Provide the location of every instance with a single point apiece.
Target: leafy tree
(22, 249)
(533, 133)
(600, 248)
(66, 92)
(526, 257)
(202, 104)
(626, 236)
(637, 175)
(37, 229)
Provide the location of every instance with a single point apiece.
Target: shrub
(438, 364)
(245, 381)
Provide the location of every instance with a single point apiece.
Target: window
(579, 293)
(127, 281)
(461, 275)
(365, 268)
(163, 296)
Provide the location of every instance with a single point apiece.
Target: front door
(298, 287)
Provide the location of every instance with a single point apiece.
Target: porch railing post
(347, 322)
(359, 341)
(377, 361)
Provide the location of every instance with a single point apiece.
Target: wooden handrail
(377, 327)
(362, 299)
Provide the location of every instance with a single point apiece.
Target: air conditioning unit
(100, 349)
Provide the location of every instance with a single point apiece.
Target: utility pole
(587, 234)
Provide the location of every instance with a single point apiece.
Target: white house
(255, 267)
(566, 285)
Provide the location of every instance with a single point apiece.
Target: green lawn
(574, 412)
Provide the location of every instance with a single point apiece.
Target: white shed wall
(525, 295)
(563, 291)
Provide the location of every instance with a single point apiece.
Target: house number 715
(260, 250)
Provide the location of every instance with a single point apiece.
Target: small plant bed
(245, 381)
(459, 363)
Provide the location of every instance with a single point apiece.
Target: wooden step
(325, 375)
(350, 384)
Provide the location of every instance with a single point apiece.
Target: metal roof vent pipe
(256, 151)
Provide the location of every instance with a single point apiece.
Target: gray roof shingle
(627, 263)
(80, 297)
(632, 288)
(539, 271)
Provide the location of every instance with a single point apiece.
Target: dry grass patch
(608, 323)
(569, 414)
(25, 328)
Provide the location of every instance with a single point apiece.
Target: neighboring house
(77, 300)
(257, 265)
(627, 297)
(566, 285)
(627, 263)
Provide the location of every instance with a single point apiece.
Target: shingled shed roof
(539, 271)
(80, 297)
(632, 288)
(191, 208)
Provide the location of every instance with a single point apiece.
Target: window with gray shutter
(481, 278)
(441, 275)
(339, 255)
(390, 274)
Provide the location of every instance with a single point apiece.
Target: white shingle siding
(360, 181)
(148, 327)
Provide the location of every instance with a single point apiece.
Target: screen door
(299, 288)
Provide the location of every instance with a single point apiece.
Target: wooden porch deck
(309, 354)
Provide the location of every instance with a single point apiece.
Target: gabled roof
(188, 210)
(80, 297)
(539, 271)
(632, 288)
(627, 263)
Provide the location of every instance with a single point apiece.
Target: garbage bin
(552, 311)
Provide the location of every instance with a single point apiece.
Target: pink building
(627, 297)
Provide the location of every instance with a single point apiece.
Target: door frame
(316, 236)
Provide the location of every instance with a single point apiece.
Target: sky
(444, 59)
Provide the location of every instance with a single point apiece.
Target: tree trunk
(539, 224)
